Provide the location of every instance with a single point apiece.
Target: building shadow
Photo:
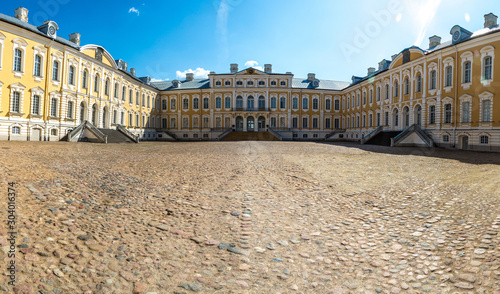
(472, 157)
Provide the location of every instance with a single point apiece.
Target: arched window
(282, 102)
(38, 66)
(407, 86)
(250, 103)
(488, 61)
(274, 102)
(250, 83)
(218, 102)
(196, 103)
(396, 89)
(295, 103)
(205, 103)
(262, 102)
(273, 83)
(371, 96)
(149, 101)
(227, 102)
(467, 72)
(130, 96)
(239, 83)
(396, 117)
(378, 94)
(116, 90)
(106, 87)
(143, 100)
(239, 102)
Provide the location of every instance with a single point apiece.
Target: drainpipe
(456, 95)
(46, 106)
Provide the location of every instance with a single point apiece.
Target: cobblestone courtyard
(250, 217)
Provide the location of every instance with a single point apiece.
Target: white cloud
(200, 73)
(467, 17)
(425, 12)
(133, 10)
(158, 80)
(254, 64)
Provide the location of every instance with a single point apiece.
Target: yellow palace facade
(445, 95)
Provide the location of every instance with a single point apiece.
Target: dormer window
(228, 83)
(218, 83)
(283, 83)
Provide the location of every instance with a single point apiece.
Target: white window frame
(485, 52)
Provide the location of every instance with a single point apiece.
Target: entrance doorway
(250, 124)
(261, 123)
(36, 135)
(465, 143)
(239, 123)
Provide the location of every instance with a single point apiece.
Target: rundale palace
(54, 89)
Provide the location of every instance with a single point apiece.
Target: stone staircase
(250, 136)
(382, 138)
(115, 136)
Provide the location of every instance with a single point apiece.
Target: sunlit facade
(50, 85)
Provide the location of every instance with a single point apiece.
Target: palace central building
(55, 89)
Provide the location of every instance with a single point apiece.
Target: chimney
(125, 65)
(132, 71)
(371, 70)
(434, 41)
(311, 76)
(268, 68)
(75, 38)
(22, 14)
(189, 76)
(234, 68)
(490, 20)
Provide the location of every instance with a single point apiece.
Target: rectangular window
(227, 122)
(364, 120)
(218, 102)
(36, 105)
(295, 122)
(122, 118)
(55, 71)
(432, 114)
(378, 93)
(273, 122)
(227, 102)
(205, 103)
(433, 80)
(195, 122)
(53, 107)
(18, 59)
(96, 84)
(447, 114)
(185, 122)
(185, 103)
(305, 103)
(38, 66)
(295, 103)
(164, 123)
(337, 104)
(449, 76)
(315, 123)
(488, 68)
(484, 140)
(467, 72)
(371, 96)
(486, 117)
(466, 112)
(364, 98)
(386, 122)
(336, 123)
(114, 116)
(419, 83)
(130, 96)
(206, 122)
(378, 119)
(328, 123)
(172, 104)
(71, 75)
(282, 102)
(70, 109)
(164, 104)
(328, 104)
(282, 122)
(370, 120)
(305, 122)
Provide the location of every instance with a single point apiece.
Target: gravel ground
(250, 217)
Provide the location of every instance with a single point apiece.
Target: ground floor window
(446, 138)
(16, 130)
(484, 140)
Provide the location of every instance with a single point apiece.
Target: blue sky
(334, 39)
